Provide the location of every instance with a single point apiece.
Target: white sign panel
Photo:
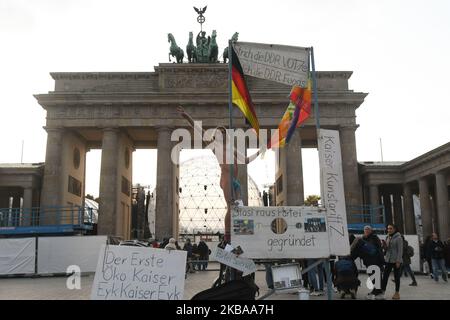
(280, 232)
(247, 266)
(332, 186)
(283, 64)
(137, 273)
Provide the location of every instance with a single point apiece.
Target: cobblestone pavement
(54, 288)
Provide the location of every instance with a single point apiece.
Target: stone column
(164, 185)
(52, 170)
(425, 207)
(294, 172)
(374, 195)
(408, 206)
(352, 186)
(387, 208)
(27, 205)
(398, 212)
(375, 201)
(442, 205)
(108, 183)
(52, 183)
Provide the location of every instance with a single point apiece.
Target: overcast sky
(398, 51)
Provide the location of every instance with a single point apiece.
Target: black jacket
(377, 259)
(436, 249)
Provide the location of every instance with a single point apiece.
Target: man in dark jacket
(188, 248)
(203, 250)
(436, 249)
(369, 249)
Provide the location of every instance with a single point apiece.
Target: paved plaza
(54, 288)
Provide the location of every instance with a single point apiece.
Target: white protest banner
(280, 232)
(283, 64)
(332, 186)
(247, 266)
(137, 273)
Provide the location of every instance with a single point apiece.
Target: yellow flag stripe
(243, 106)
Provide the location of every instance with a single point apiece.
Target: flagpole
(316, 103)
(230, 109)
(326, 262)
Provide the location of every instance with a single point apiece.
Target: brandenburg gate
(119, 112)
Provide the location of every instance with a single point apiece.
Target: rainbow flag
(240, 94)
(298, 110)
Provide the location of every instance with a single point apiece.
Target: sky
(398, 51)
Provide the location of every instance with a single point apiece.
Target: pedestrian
(313, 274)
(171, 245)
(436, 248)
(163, 244)
(447, 254)
(394, 259)
(351, 238)
(369, 249)
(204, 252)
(188, 248)
(195, 257)
(427, 254)
(408, 253)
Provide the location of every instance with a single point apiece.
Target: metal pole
(316, 103)
(326, 264)
(381, 149)
(230, 107)
(21, 155)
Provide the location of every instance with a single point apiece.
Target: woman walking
(394, 259)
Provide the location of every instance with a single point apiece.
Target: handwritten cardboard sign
(136, 273)
(280, 232)
(283, 64)
(247, 266)
(332, 187)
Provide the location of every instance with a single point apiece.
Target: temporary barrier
(17, 256)
(49, 255)
(55, 254)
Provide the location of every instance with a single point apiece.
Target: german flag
(240, 95)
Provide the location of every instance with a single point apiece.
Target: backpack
(232, 290)
(410, 251)
(344, 267)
